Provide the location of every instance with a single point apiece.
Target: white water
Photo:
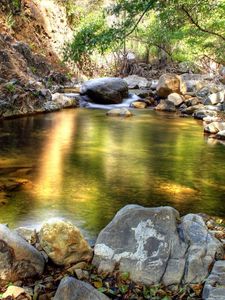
(126, 102)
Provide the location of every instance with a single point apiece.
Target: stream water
(84, 166)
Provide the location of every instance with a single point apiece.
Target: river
(84, 166)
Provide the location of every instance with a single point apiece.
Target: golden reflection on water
(49, 180)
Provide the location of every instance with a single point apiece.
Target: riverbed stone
(137, 82)
(139, 104)
(119, 112)
(214, 288)
(73, 289)
(168, 83)
(221, 135)
(105, 90)
(63, 242)
(203, 112)
(214, 127)
(18, 259)
(65, 101)
(154, 246)
(215, 98)
(176, 99)
(166, 105)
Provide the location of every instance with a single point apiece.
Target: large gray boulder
(73, 289)
(155, 247)
(18, 259)
(105, 90)
(64, 243)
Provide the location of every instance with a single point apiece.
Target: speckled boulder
(63, 242)
(155, 247)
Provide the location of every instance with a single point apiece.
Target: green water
(84, 166)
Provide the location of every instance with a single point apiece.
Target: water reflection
(85, 166)
(49, 181)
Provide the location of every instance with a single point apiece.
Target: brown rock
(168, 83)
(63, 243)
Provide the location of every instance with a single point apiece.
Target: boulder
(119, 112)
(191, 109)
(64, 101)
(166, 105)
(168, 83)
(221, 135)
(215, 98)
(137, 82)
(191, 83)
(138, 104)
(193, 101)
(63, 242)
(105, 90)
(155, 247)
(214, 127)
(208, 119)
(73, 289)
(202, 113)
(214, 288)
(176, 99)
(18, 259)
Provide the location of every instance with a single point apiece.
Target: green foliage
(185, 30)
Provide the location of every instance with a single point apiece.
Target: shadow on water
(85, 166)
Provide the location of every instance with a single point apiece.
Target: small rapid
(84, 102)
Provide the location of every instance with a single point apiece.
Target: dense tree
(183, 30)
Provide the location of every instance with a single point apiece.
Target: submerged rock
(119, 112)
(168, 83)
(63, 242)
(105, 90)
(18, 259)
(154, 247)
(73, 289)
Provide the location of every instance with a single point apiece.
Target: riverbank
(45, 275)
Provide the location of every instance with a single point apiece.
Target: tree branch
(141, 17)
(194, 22)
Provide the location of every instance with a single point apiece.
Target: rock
(119, 112)
(105, 90)
(220, 135)
(190, 83)
(154, 247)
(215, 98)
(168, 83)
(138, 104)
(166, 105)
(18, 259)
(208, 119)
(191, 109)
(64, 101)
(50, 106)
(29, 234)
(154, 84)
(202, 113)
(142, 93)
(214, 127)
(15, 291)
(176, 99)
(73, 289)
(193, 101)
(214, 288)
(137, 82)
(63, 242)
